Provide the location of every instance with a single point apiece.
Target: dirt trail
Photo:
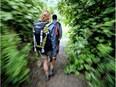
(60, 79)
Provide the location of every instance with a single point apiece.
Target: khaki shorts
(47, 55)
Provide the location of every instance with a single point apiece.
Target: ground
(60, 79)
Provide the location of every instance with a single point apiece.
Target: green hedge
(14, 62)
(17, 17)
(92, 40)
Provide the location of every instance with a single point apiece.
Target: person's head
(54, 17)
(45, 16)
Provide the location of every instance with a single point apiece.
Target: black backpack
(42, 37)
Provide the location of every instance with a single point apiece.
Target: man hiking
(58, 36)
(58, 30)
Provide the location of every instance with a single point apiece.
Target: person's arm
(60, 31)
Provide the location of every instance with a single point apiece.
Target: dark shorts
(49, 53)
(57, 49)
(45, 55)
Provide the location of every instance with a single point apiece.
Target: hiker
(58, 30)
(45, 38)
(58, 36)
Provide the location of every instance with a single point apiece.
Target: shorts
(46, 55)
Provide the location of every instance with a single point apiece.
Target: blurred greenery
(17, 18)
(91, 41)
(14, 62)
(91, 35)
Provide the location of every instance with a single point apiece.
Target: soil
(60, 79)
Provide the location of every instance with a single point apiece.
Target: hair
(54, 17)
(45, 16)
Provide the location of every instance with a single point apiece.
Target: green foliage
(92, 40)
(19, 16)
(13, 61)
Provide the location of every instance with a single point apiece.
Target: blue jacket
(54, 39)
(59, 28)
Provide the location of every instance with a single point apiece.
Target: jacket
(54, 39)
(59, 28)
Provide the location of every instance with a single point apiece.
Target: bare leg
(45, 67)
(52, 61)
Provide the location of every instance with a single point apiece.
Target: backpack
(42, 37)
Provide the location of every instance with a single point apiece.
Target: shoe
(47, 77)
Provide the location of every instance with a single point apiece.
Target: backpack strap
(43, 40)
(34, 41)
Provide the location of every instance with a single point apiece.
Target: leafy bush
(17, 17)
(91, 40)
(14, 62)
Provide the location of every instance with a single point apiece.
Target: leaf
(87, 67)
(104, 49)
(6, 16)
(109, 10)
(77, 73)
(87, 76)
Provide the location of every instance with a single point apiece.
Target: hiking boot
(47, 77)
(51, 72)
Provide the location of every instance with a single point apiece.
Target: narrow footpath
(60, 79)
